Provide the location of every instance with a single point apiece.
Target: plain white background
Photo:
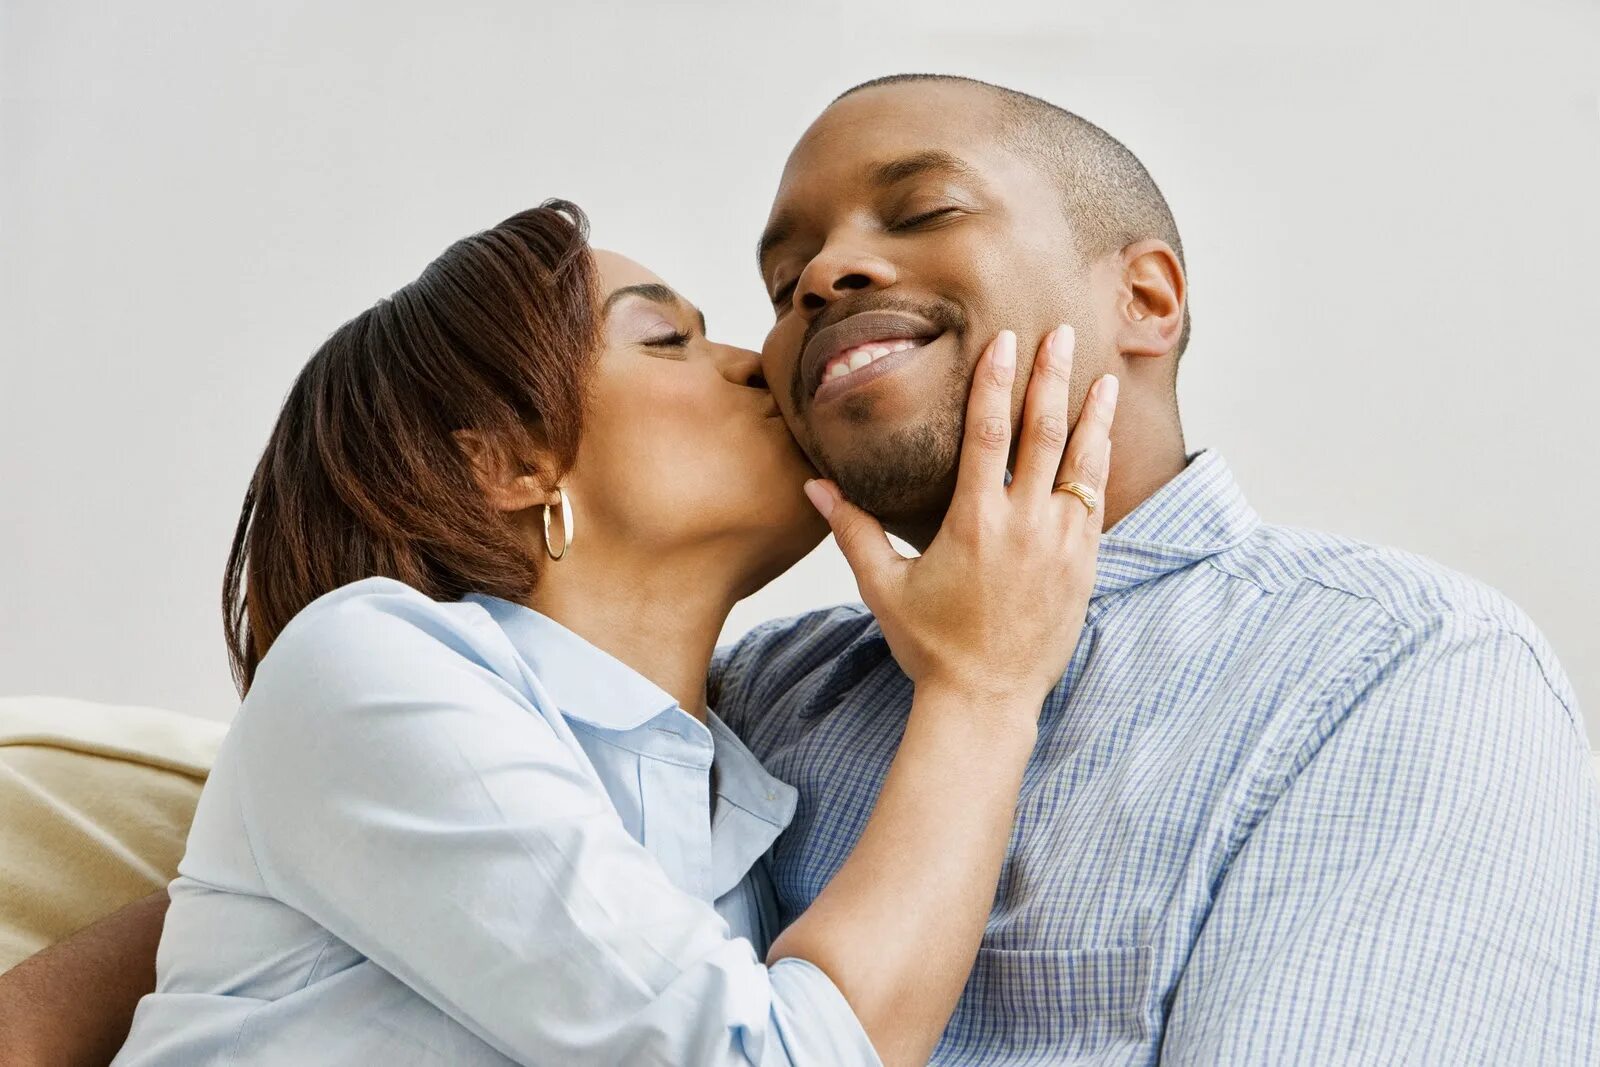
(1390, 213)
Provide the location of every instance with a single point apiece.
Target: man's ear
(508, 482)
(1151, 299)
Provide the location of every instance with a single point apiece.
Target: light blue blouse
(457, 833)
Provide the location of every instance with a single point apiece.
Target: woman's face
(683, 446)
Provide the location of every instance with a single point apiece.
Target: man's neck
(1146, 454)
(662, 618)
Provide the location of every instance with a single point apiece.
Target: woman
(474, 809)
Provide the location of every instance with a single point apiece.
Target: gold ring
(1081, 491)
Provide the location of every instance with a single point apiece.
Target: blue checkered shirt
(1297, 800)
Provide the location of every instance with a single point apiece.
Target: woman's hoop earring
(566, 526)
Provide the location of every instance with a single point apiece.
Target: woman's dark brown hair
(364, 476)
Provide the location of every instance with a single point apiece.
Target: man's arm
(1426, 890)
(73, 1002)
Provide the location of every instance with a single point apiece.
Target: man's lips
(835, 384)
(857, 330)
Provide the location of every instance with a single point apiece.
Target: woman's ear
(1151, 300)
(506, 481)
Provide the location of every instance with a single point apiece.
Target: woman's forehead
(617, 270)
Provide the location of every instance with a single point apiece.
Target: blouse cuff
(816, 1023)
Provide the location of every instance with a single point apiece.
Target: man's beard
(906, 477)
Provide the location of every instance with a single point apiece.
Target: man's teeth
(852, 359)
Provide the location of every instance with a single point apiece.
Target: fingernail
(1105, 389)
(1005, 350)
(1061, 342)
(819, 496)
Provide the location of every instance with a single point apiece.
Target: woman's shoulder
(377, 611)
(378, 632)
(361, 602)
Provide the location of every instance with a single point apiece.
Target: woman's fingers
(986, 442)
(1087, 463)
(860, 538)
(1044, 417)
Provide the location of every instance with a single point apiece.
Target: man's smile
(860, 348)
(867, 363)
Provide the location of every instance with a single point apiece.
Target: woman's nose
(741, 366)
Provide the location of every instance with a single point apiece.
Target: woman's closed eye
(652, 316)
(676, 339)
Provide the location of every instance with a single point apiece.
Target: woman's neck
(660, 617)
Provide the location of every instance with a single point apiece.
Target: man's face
(904, 236)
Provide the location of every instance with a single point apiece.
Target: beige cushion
(95, 805)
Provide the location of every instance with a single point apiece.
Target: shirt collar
(595, 687)
(586, 683)
(753, 807)
(1198, 514)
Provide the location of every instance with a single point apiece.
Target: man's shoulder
(1411, 589)
(777, 655)
(1423, 602)
(798, 642)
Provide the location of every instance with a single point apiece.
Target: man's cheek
(797, 427)
(779, 354)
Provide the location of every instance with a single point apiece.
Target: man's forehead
(873, 138)
(881, 124)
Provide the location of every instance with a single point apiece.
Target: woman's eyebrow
(656, 293)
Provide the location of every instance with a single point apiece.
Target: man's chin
(904, 478)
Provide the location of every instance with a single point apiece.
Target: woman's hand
(994, 608)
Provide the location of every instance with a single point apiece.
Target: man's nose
(837, 272)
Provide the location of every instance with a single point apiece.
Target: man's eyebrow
(656, 293)
(779, 231)
(895, 170)
(934, 159)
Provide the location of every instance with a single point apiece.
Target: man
(1296, 800)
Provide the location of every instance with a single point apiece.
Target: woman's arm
(984, 622)
(408, 788)
(899, 925)
(72, 1002)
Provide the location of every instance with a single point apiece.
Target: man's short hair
(1110, 199)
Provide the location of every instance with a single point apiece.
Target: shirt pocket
(1059, 1003)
